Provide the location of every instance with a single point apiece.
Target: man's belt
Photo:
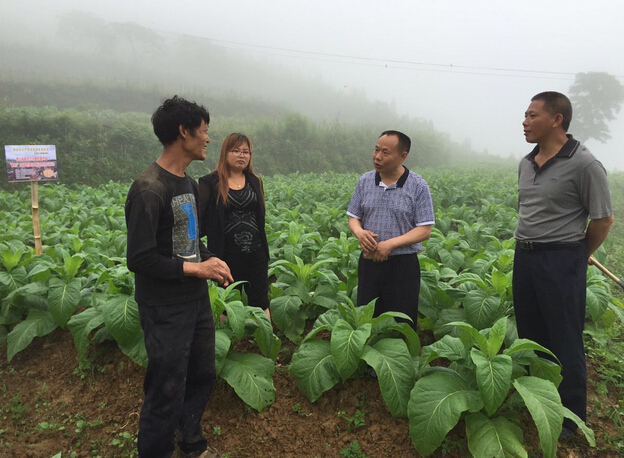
(543, 246)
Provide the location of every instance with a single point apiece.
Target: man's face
(386, 156)
(538, 123)
(197, 141)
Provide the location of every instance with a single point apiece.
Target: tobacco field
(462, 384)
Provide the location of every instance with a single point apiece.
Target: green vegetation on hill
(95, 146)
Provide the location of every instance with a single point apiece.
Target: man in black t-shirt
(171, 266)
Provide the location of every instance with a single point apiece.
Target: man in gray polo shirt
(561, 184)
(390, 213)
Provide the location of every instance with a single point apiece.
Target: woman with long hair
(232, 210)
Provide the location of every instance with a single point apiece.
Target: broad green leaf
(447, 316)
(14, 279)
(367, 311)
(38, 324)
(470, 277)
(314, 369)
(451, 348)
(476, 336)
(327, 319)
(71, 265)
(10, 259)
(546, 369)
(287, 315)
(135, 349)
(500, 282)
(81, 326)
(121, 316)
(597, 300)
(222, 347)
(544, 404)
(497, 336)
(251, 376)
(493, 378)
(236, 317)
(494, 438)
(411, 337)
(268, 343)
(63, 299)
(522, 345)
(453, 259)
(436, 403)
(481, 308)
(347, 346)
(40, 269)
(589, 434)
(395, 372)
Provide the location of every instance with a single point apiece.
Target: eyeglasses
(239, 152)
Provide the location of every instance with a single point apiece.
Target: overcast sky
(469, 66)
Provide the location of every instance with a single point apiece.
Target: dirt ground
(49, 405)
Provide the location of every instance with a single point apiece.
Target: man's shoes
(566, 433)
(209, 454)
(205, 454)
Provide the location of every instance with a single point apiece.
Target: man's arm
(597, 231)
(366, 238)
(418, 234)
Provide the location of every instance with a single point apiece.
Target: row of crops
(474, 367)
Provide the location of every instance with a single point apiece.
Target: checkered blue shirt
(391, 211)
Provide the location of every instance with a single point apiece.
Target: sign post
(34, 194)
(32, 163)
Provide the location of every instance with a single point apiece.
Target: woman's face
(238, 157)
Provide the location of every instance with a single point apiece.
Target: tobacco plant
(358, 339)
(477, 387)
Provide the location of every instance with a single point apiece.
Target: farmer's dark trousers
(395, 282)
(549, 302)
(180, 344)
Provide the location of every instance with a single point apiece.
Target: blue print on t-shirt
(192, 225)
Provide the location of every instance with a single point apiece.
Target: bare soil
(48, 404)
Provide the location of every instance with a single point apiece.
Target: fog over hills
(466, 68)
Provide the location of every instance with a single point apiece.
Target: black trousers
(252, 267)
(549, 302)
(180, 343)
(395, 282)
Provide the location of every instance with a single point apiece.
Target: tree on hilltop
(596, 99)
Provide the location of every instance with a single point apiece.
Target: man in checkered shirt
(390, 213)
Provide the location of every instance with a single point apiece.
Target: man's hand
(212, 268)
(382, 251)
(367, 240)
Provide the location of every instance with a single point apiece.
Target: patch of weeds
(297, 409)
(216, 432)
(126, 443)
(354, 422)
(451, 447)
(17, 408)
(45, 426)
(353, 451)
(606, 348)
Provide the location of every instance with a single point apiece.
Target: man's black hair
(176, 112)
(556, 103)
(404, 141)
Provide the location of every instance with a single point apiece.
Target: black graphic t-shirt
(163, 233)
(242, 234)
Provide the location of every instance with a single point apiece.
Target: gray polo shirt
(391, 211)
(556, 199)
